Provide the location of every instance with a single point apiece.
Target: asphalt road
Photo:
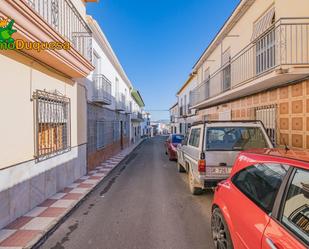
(143, 204)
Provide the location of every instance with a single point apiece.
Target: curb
(60, 221)
(42, 221)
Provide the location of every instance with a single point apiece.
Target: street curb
(53, 228)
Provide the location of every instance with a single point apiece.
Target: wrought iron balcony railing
(121, 102)
(102, 89)
(285, 44)
(64, 18)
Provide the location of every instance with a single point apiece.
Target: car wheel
(194, 190)
(220, 232)
(180, 168)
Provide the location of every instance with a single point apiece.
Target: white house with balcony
(137, 117)
(257, 67)
(110, 104)
(186, 115)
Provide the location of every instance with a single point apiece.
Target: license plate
(221, 170)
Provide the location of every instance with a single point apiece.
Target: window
(177, 138)
(100, 134)
(235, 138)
(265, 52)
(296, 206)
(52, 123)
(261, 182)
(226, 71)
(195, 137)
(226, 78)
(116, 131)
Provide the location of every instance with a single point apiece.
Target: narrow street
(143, 204)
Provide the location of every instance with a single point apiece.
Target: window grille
(268, 115)
(100, 134)
(226, 78)
(265, 52)
(116, 131)
(52, 124)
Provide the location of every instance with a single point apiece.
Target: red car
(171, 144)
(264, 204)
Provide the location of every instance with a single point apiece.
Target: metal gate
(268, 115)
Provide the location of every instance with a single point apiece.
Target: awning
(137, 97)
(261, 25)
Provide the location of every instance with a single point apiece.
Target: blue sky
(158, 41)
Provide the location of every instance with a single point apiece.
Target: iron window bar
(52, 124)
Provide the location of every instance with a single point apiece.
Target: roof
(238, 12)
(191, 76)
(174, 105)
(137, 97)
(103, 42)
(298, 155)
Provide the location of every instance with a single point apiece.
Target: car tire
(194, 190)
(220, 231)
(180, 168)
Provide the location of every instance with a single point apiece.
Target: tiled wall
(99, 113)
(24, 186)
(292, 112)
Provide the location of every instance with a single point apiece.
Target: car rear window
(235, 138)
(177, 139)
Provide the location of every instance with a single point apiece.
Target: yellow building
(257, 67)
(43, 104)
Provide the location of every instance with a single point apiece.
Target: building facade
(137, 118)
(182, 115)
(257, 67)
(45, 134)
(174, 113)
(113, 106)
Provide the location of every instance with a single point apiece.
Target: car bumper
(210, 182)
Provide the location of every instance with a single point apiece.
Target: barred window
(100, 134)
(52, 124)
(116, 131)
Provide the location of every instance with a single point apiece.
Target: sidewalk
(27, 230)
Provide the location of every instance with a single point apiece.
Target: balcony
(121, 102)
(279, 56)
(137, 116)
(53, 21)
(102, 89)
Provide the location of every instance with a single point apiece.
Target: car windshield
(177, 139)
(235, 138)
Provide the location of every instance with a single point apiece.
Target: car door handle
(271, 244)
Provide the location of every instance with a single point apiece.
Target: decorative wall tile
(284, 108)
(284, 123)
(284, 139)
(297, 90)
(284, 92)
(297, 140)
(297, 124)
(297, 106)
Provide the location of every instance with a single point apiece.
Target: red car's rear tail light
(201, 166)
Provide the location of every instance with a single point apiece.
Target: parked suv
(210, 149)
(264, 204)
